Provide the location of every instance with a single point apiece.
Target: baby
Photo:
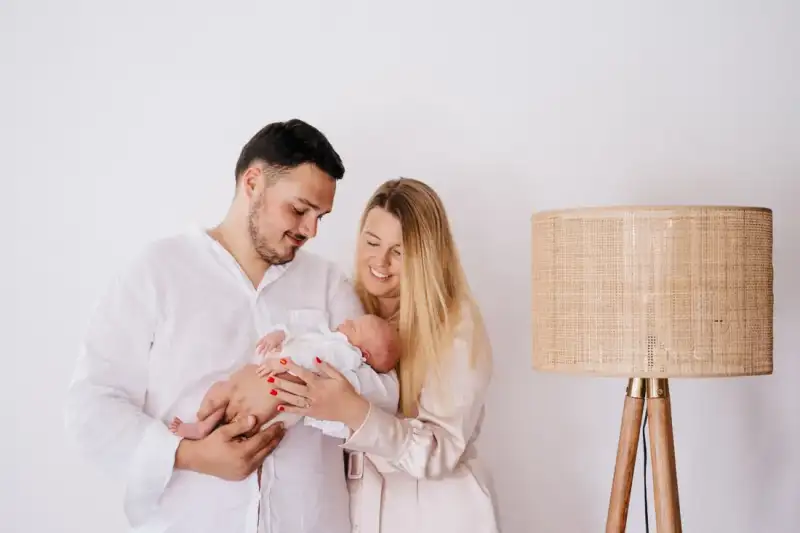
(364, 343)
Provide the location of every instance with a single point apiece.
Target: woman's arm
(432, 444)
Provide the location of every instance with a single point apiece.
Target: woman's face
(380, 254)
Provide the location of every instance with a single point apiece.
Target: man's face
(284, 214)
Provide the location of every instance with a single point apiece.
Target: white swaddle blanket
(306, 341)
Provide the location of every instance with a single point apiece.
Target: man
(187, 313)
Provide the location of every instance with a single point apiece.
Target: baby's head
(376, 338)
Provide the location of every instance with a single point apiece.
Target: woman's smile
(378, 274)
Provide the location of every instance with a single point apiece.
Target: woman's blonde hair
(433, 287)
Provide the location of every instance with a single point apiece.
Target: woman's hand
(326, 395)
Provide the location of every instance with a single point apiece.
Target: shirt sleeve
(382, 390)
(431, 445)
(104, 404)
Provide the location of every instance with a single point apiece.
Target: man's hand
(225, 453)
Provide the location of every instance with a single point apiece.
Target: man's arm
(103, 408)
(382, 390)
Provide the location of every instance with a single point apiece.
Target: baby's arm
(271, 342)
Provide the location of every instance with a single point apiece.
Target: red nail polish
(318, 360)
(283, 361)
(281, 408)
(270, 380)
(273, 392)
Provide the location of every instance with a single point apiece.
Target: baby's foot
(187, 431)
(175, 424)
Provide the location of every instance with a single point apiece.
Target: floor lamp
(650, 294)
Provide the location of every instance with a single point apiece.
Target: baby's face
(371, 335)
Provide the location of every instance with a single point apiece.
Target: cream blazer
(422, 474)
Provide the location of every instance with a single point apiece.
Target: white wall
(121, 122)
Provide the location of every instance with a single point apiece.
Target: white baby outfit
(308, 338)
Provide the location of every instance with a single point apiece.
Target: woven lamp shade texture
(653, 291)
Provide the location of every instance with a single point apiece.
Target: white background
(120, 122)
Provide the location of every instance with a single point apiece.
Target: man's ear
(249, 181)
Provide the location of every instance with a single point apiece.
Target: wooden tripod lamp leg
(662, 456)
(626, 456)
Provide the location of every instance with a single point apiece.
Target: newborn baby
(366, 342)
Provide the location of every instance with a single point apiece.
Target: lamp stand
(662, 456)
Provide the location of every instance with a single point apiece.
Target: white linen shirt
(183, 316)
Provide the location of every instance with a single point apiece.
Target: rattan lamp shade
(653, 291)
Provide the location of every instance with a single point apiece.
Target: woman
(416, 470)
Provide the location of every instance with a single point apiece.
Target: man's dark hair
(287, 145)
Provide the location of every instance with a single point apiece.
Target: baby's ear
(365, 354)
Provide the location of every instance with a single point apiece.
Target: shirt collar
(227, 261)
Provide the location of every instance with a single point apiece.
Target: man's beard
(260, 243)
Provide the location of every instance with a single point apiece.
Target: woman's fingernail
(283, 361)
(281, 408)
(318, 359)
(270, 380)
(273, 392)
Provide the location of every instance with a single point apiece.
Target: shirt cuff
(381, 434)
(150, 470)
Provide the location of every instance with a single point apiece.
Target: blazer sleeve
(432, 444)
